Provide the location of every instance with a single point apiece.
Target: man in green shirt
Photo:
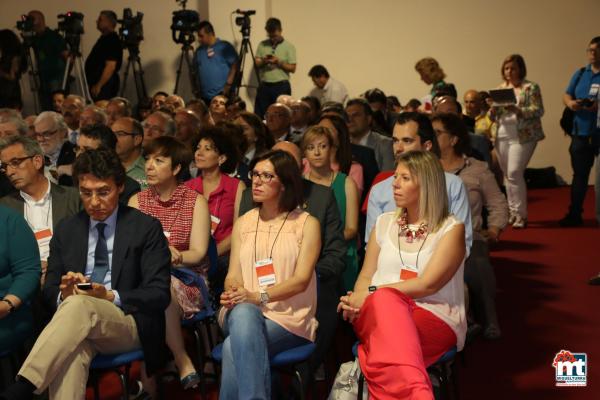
(51, 53)
(276, 60)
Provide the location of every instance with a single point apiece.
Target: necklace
(330, 179)
(411, 234)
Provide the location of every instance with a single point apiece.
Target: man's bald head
(39, 21)
(473, 103)
(290, 148)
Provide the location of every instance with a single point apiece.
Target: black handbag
(566, 120)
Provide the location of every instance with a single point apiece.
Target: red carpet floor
(544, 304)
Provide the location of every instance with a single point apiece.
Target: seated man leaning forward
(108, 277)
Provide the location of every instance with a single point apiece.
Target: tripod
(34, 78)
(244, 49)
(75, 60)
(138, 73)
(186, 57)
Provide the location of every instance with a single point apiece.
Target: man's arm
(459, 206)
(109, 68)
(386, 154)
(374, 210)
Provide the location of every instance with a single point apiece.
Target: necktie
(100, 256)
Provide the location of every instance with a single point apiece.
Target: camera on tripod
(243, 21)
(25, 26)
(131, 32)
(71, 26)
(185, 24)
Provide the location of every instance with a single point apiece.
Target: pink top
(296, 313)
(356, 173)
(221, 203)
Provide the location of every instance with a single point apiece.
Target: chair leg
(361, 384)
(124, 377)
(301, 386)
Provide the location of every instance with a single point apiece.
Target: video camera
(71, 26)
(25, 25)
(185, 24)
(244, 21)
(131, 32)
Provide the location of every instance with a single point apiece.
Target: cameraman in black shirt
(104, 61)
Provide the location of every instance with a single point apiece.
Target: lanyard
(276, 236)
(419, 252)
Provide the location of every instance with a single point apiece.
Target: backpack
(566, 120)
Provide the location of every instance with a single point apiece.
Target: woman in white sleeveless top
(408, 302)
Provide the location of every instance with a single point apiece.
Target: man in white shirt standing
(326, 88)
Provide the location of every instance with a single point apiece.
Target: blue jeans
(252, 339)
(583, 151)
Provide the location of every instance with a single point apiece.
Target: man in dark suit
(320, 203)
(123, 256)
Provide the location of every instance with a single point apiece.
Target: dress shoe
(520, 222)
(190, 381)
(570, 221)
(595, 281)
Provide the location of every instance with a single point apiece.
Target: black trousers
(267, 94)
(583, 151)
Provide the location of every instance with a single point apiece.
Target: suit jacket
(365, 156)
(320, 203)
(66, 157)
(384, 153)
(65, 202)
(141, 263)
(131, 187)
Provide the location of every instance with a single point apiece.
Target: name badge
(43, 237)
(167, 234)
(265, 272)
(210, 52)
(408, 272)
(214, 222)
(594, 90)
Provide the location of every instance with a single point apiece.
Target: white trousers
(513, 158)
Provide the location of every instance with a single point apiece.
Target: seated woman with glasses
(270, 294)
(318, 146)
(453, 139)
(186, 222)
(408, 303)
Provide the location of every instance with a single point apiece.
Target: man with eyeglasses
(42, 203)
(51, 133)
(109, 282)
(158, 124)
(130, 135)
(71, 111)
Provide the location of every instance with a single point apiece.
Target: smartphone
(586, 102)
(84, 286)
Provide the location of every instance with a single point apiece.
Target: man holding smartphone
(276, 60)
(108, 277)
(582, 97)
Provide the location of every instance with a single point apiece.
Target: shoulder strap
(578, 77)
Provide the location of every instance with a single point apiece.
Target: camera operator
(216, 62)
(51, 54)
(276, 59)
(104, 61)
(12, 65)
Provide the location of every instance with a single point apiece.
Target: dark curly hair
(224, 143)
(103, 163)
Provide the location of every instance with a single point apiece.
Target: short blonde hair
(429, 67)
(427, 170)
(314, 132)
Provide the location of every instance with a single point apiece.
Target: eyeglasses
(593, 50)
(46, 134)
(102, 194)
(124, 133)
(15, 163)
(265, 177)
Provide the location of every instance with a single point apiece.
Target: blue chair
(443, 370)
(284, 361)
(117, 363)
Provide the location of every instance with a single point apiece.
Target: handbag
(566, 120)
(345, 384)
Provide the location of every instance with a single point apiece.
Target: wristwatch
(264, 297)
(372, 289)
(11, 306)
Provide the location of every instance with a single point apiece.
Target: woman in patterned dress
(186, 223)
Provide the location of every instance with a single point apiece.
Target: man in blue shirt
(216, 61)
(582, 97)
(413, 131)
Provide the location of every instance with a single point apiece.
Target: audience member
(585, 133)
(235, 105)
(104, 61)
(130, 135)
(43, 204)
(59, 153)
(474, 109)
(279, 119)
(29, 122)
(116, 108)
(156, 125)
(281, 303)
(432, 74)
(318, 146)
(175, 103)
(378, 102)
(413, 270)
(359, 124)
(96, 136)
(144, 108)
(235, 133)
(199, 107)
(71, 110)
(58, 98)
(158, 100)
(275, 59)
(123, 255)
(315, 108)
(413, 131)
(326, 88)
(92, 115)
(12, 126)
(188, 127)
(216, 61)
(393, 105)
(51, 53)
(518, 129)
(300, 119)
(19, 280)
(412, 106)
(218, 108)
(102, 104)
(453, 139)
(185, 223)
(258, 139)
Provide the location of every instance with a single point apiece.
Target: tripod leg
(86, 90)
(124, 85)
(144, 92)
(179, 71)
(192, 72)
(68, 66)
(254, 62)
